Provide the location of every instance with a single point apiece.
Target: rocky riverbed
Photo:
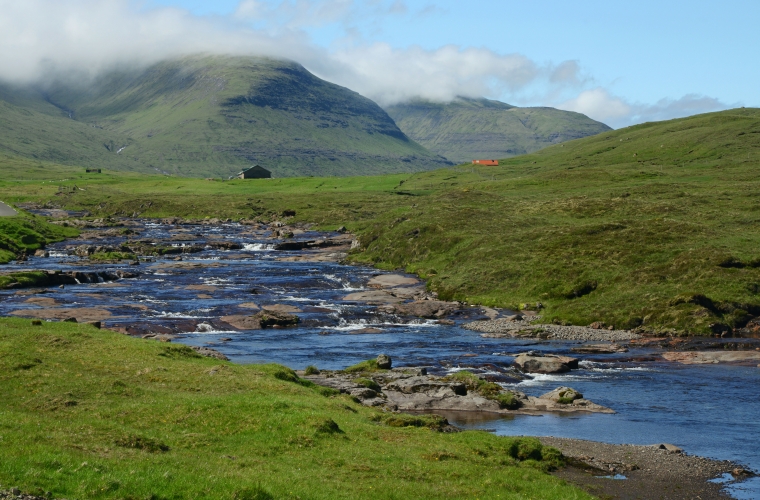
(413, 389)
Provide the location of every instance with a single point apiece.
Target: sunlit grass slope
(654, 225)
(92, 414)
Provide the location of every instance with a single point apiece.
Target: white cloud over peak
(615, 111)
(41, 39)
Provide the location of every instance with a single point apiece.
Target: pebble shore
(649, 471)
(509, 328)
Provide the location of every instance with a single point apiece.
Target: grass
(90, 413)
(653, 226)
(23, 234)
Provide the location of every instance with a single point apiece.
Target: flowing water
(709, 410)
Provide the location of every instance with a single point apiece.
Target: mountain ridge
(211, 116)
(468, 128)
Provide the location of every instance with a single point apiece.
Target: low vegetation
(23, 234)
(488, 390)
(90, 413)
(653, 226)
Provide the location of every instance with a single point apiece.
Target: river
(708, 410)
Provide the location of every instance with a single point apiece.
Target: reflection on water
(708, 410)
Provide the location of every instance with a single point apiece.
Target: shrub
(368, 383)
(365, 366)
(311, 370)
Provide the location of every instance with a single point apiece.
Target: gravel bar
(650, 472)
(511, 328)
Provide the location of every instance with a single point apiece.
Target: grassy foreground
(90, 413)
(654, 225)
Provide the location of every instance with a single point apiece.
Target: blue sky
(620, 62)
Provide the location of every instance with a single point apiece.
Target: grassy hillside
(468, 129)
(208, 116)
(654, 225)
(99, 415)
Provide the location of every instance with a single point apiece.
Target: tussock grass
(90, 413)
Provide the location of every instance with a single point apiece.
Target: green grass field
(654, 225)
(93, 414)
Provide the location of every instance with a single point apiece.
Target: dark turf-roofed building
(255, 172)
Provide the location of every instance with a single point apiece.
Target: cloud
(79, 39)
(44, 38)
(391, 75)
(616, 112)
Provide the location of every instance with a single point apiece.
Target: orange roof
(486, 162)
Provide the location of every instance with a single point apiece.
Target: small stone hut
(254, 172)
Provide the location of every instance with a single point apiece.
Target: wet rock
(274, 319)
(714, 357)
(391, 280)
(41, 253)
(242, 322)
(80, 314)
(366, 331)
(428, 386)
(384, 362)
(564, 395)
(599, 349)
(426, 308)
(281, 308)
(373, 297)
(671, 448)
(531, 362)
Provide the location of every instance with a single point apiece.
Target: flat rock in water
(549, 363)
(708, 357)
(202, 288)
(373, 297)
(282, 308)
(242, 322)
(248, 305)
(82, 314)
(391, 280)
(365, 331)
(42, 301)
(426, 308)
(599, 349)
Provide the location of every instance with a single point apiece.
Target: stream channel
(708, 410)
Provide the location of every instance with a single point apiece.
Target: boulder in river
(276, 319)
(384, 362)
(531, 362)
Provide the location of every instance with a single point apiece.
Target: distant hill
(466, 129)
(208, 116)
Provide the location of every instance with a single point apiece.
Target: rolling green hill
(468, 129)
(208, 116)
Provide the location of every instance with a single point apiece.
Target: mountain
(467, 129)
(208, 116)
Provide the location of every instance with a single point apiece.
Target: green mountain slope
(468, 129)
(209, 116)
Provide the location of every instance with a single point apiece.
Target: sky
(619, 62)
